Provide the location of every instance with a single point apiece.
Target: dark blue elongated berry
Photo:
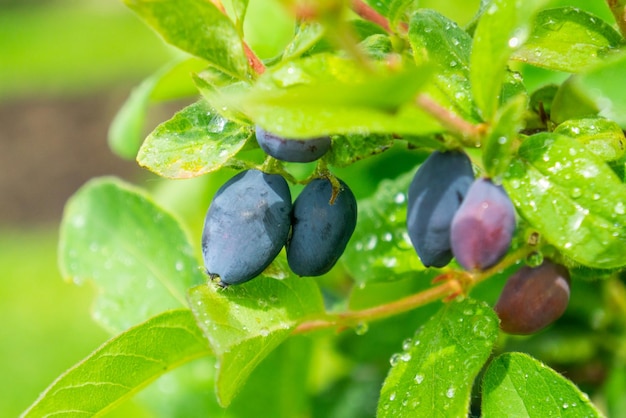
(320, 230)
(292, 150)
(533, 298)
(483, 226)
(435, 195)
(246, 226)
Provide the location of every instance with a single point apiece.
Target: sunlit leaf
(503, 27)
(123, 366)
(568, 39)
(135, 253)
(245, 323)
(348, 149)
(516, 385)
(601, 136)
(196, 141)
(197, 27)
(433, 376)
(572, 197)
(326, 94)
(436, 39)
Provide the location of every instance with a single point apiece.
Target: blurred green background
(66, 66)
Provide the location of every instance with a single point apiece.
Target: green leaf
(434, 375)
(572, 197)
(239, 10)
(503, 27)
(126, 130)
(377, 46)
(199, 28)
(308, 35)
(135, 253)
(602, 137)
(516, 385)
(498, 145)
(380, 248)
(196, 141)
(568, 39)
(400, 12)
(604, 85)
(326, 94)
(348, 149)
(215, 87)
(245, 323)
(122, 366)
(435, 38)
(571, 102)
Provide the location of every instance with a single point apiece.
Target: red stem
(366, 12)
(618, 8)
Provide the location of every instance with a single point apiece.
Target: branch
(618, 8)
(451, 121)
(353, 318)
(366, 12)
(255, 63)
(453, 284)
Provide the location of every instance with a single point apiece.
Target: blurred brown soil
(48, 149)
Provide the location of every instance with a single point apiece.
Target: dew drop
(419, 378)
(620, 209)
(406, 344)
(399, 198)
(576, 192)
(371, 242)
(361, 328)
(392, 397)
(264, 332)
(514, 42)
(565, 405)
(534, 259)
(395, 359)
(450, 393)
(179, 265)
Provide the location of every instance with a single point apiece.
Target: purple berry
(533, 298)
(483, 227)
(292, 150)
(435, 195)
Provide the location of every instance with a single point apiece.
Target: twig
(452, 285)
(366, 12)
(618, 8)
(352, 318)
(255, 63)
(451, 121)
